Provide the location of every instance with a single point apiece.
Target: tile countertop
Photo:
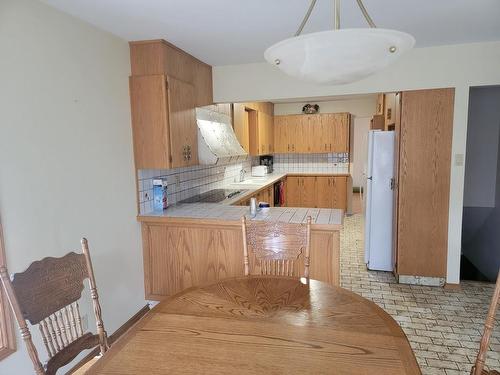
(324, 217)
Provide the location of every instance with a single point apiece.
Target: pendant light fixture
(338, 56)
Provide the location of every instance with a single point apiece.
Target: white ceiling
(222, 32)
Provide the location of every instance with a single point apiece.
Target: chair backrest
(477, 369)
(47, 294)
(276, 246)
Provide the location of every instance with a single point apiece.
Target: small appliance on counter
(267, 160)
(259, 171)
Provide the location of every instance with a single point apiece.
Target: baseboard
(450, 286)
(112, 338)
(421, 280)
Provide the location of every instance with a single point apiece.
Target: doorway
(481, 212)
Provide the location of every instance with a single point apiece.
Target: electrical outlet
(85, 322)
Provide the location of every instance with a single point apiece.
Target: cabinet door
(148, 99)
(316, 134)
(423, 203)
(304, 135)
(327, 136)
(341, 128)
(339, 192)
(308, 193)
(293, 124)
(293, 190)
(280, 142)
(240, 125)
(182, 123)
(324, 192)
(270, 133)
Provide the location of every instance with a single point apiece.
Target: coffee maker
(267, 160)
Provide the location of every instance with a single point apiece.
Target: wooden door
(270, 133)
(308, 193)
(304, 135)
(324, 192)
(240, 125)
(182, 123)
(327, 134)
(395, 207)
(280, 138)
(293, 191)
(148, 99)
(316, 134)
(424, 181)
(262, 133)
(339, 192)
(340, 135)
(390, 110)
(294, 132)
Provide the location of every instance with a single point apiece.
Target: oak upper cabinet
(163, 122)
(265, 133)
(166, 86)
(341, 125)
(319, 133)
(258, 120)
(151, 57)
(424, 139)
(281, 135)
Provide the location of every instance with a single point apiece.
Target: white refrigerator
(379, 201)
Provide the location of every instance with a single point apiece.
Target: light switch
(459, 160)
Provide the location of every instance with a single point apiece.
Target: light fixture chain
(306, 17)
(365, 14)
(336, 14)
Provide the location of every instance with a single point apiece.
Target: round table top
(263, 325)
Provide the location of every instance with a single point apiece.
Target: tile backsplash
(311, 163)
(186, 182)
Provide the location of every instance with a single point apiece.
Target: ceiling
(223, 32)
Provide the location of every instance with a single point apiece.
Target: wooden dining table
(262, 325)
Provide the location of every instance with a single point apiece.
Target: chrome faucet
(242, 175)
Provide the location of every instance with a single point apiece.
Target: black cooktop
(213, 196)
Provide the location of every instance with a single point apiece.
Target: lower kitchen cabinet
(180, 253)
(316, 191)
(265, 195)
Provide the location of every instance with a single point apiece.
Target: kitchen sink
(252, 181)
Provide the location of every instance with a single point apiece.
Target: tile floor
(444, 327)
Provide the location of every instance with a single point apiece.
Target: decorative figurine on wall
(310, 109)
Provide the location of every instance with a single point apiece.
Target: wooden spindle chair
(47, 294)
(276, 246)
(479, 366)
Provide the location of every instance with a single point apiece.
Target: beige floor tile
(444, 327)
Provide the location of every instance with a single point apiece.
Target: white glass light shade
(339, 56)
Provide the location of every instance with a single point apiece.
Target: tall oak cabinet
(424, 127)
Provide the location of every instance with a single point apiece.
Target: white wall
(361, 127)
(365, 106)
(66, 166)
(458, 66)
